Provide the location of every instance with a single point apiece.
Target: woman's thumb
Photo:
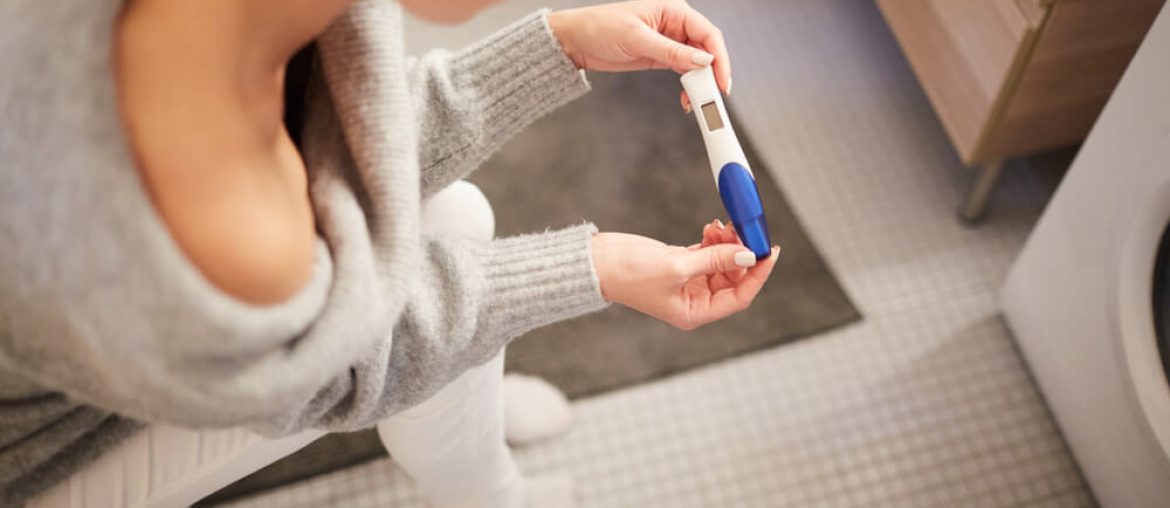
(671, 53)
(723, 257)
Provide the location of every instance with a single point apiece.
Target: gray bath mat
(627, 158)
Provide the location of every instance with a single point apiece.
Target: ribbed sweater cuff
(521, 73)
(534, 280)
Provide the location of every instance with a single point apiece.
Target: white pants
(452, 444)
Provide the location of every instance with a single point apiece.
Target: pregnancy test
(733, 176)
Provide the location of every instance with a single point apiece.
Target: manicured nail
(702, 58)
(745, 259)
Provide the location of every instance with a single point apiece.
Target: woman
(178, 251)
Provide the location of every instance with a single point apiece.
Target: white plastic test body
(733, 176)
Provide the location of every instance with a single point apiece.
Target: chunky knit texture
(104, 323)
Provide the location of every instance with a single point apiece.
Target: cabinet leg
(975, 202)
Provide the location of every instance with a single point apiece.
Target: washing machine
(1088, 299)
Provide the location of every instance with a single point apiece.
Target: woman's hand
(642, 34)
(684, 286)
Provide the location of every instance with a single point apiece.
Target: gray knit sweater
(103, 321)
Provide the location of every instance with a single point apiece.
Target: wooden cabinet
(1012, 77)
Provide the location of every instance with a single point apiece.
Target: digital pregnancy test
(733, 176)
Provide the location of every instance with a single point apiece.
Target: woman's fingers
(720, 281)
(640, 35)
(711, 234)
(738, 298)
(717, 232)
(726, 275)
(750, 284)
(669, 53)
(700, 30)
(719, 258)
(729, 234)
(735, 275)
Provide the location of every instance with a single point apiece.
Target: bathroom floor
(926, 402)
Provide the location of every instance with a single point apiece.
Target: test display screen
(712, 116)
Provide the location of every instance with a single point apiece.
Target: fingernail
(718, 223)
(687, 109)
(745, 259)
(728, 86)
(775, 250)
(702, 58)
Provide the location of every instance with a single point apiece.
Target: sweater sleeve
(472, 101)
(470, 299)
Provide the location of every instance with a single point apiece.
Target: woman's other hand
(686, 287)
(643, 34)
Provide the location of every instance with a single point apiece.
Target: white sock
(549, 491)
(534, 410)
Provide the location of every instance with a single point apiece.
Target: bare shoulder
(202, 111)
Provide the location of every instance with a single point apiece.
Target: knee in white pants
(453, 443)
(462, 209)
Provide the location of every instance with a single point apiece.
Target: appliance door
(1141, 310)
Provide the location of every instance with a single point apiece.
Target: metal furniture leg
(975, 203)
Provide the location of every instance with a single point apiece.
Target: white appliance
(1088, 300)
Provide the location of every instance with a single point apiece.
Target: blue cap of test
(741, 198)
